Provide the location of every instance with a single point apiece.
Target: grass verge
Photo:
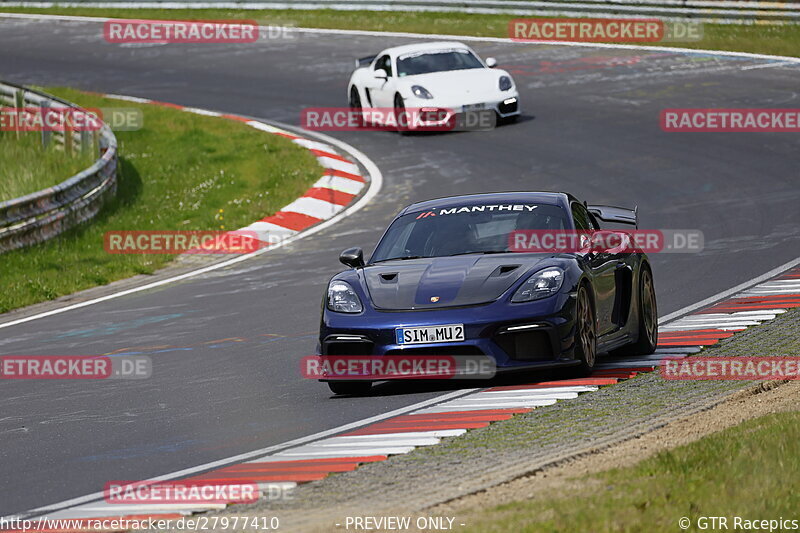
(181, 171)
(743, 471)
(28, 167)
(776, 40)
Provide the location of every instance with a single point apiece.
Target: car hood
(438, 282)
(469, 84)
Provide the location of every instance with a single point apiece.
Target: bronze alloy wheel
(586, 335)
(648, 309)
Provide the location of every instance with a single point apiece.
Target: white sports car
(440, 79)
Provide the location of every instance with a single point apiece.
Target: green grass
(778, 40)
(28, 167)
(179, 172)
(748, 471)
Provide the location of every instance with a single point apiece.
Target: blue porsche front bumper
(515, 335)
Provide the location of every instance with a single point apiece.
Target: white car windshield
(439, 61)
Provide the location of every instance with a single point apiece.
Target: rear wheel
(585, 332)
(648, 318)
(350, 388)
(355, 106)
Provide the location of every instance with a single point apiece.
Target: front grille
(526, 345)
(438, 350)
(347, 348)
(507, 108)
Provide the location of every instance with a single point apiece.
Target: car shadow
(422, 386)
(501, 123)
(522, 377)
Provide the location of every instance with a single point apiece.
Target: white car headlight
(505, 83)
(342, 298)
(421, 92)
(542, 284)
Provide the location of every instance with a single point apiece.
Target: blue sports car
(446, 279)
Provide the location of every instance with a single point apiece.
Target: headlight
(342, 298)
(505, 83)
(421, 92)
(544, 283)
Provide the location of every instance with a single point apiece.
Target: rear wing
(365, 61)
(619, 215)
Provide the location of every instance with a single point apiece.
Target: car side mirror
(491, 62)
(380, 74)
(352, 257)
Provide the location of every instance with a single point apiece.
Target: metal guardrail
(44, 214)
(713, 11)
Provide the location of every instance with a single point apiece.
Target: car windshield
(479, 229)
(441, 61)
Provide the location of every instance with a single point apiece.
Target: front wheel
(350, 388)
(400, 115)
(585, 332)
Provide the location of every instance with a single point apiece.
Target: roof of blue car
(554, 198)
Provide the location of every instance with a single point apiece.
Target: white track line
(438, 433)
(321, 451)
(469, 403)
(262, 453)
(677, 349)
(440, 36)
(725, 294)
(689, 327)
(377, 441)
(629, 363)
(548, 390)
(375, 184)
(313, 207)
(335, 164)
(339, 184)
(520, 395)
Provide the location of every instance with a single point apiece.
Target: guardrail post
(19, 102)
(67, 137)
(85, 141)
(46, 134)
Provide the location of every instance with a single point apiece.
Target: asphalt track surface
(226, 345)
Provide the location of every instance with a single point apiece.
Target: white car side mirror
(491, 62)
(381, 74)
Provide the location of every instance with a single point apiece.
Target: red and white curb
(426, 426)
(341, 183)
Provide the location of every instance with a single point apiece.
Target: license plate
(474, 107)
(430, 334)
